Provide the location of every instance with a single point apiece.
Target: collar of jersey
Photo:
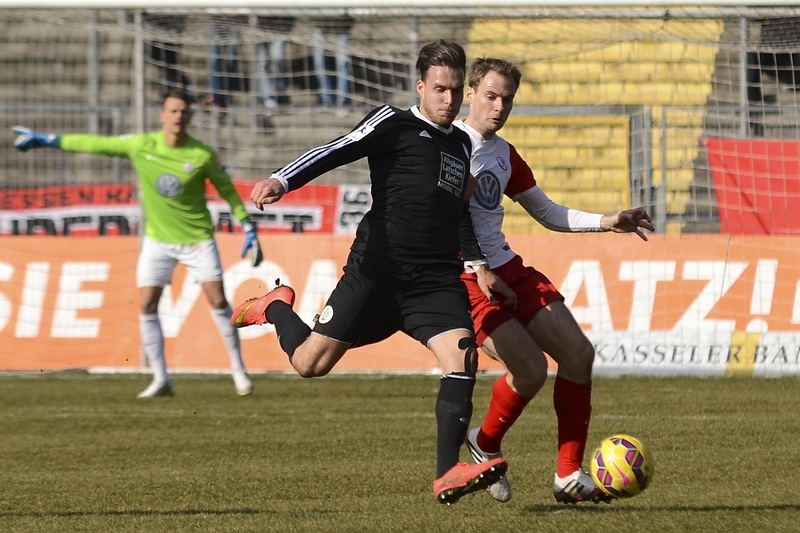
(417, 113)
(476, 138)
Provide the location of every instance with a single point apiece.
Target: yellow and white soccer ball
(622, 466)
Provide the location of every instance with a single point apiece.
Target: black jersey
(418, 171)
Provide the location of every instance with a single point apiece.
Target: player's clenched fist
(267, 192)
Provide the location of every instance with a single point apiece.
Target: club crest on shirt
(168, 186)
(502, 162)
(188, 167)
(326, 315)
(360, 133)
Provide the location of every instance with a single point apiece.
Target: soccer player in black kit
(403, 270)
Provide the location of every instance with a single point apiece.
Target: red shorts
(534, 291)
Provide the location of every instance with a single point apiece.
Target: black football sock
(292, 332)
(453, 413)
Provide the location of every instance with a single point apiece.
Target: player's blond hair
(484, 65)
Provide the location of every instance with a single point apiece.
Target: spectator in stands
(403, 270)
(541, 322)
(172, 169)
(223, 59)
(165, 53)
(225, 77)
(271, 62)
(333, 72)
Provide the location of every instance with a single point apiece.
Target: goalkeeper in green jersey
(172, 169)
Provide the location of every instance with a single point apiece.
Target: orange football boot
(254, 311)
(465, 478)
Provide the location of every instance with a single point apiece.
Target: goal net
(691, 112)
(613, 111)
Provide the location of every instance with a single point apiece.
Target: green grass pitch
(356, 453)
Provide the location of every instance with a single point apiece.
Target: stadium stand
(583, 161)
(584, 80)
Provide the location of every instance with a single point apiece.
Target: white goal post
(377, 4)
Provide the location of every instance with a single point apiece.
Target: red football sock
(573, 404)
(504, 409)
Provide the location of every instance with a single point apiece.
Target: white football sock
(152, 339)
(229, 336)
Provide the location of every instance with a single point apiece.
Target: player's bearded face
(441, 94)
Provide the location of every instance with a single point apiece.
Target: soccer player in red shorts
(541, 322)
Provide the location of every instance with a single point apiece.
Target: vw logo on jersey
(169, 186)
(489, 193)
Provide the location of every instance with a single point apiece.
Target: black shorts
(377, 297)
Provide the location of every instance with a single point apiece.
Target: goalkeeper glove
(251, 242)
(27, 138)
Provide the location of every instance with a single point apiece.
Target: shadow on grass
(137, 512)
(610, 508)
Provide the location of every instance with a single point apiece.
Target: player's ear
(420, 87)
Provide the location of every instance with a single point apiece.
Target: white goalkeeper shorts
(157, 262)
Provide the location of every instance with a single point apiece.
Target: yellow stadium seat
(584, 161)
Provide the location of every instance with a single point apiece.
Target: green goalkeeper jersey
(172, 182)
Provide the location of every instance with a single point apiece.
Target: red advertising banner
(99, 210)
(757, 183)
(67, 196)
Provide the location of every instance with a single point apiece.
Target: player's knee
(309, 367)
(218, 302)
(529, 382)
(575, 361)
(310, 372)
(149, 307)
(306, 370)
(581, 361)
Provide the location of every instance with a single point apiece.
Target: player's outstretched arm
(628, 221)
(493, 287)
(267, 192)
(558, 217)
(27, 139)
(224, 185)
